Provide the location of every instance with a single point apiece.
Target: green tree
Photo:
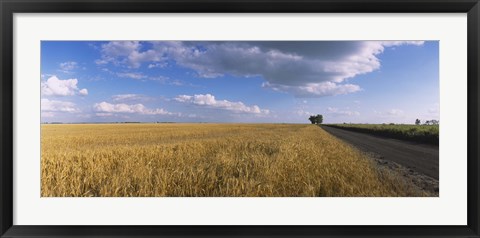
(417, 122)
(318, 119)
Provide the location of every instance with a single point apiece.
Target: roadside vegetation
(207, 160)
(426, 133)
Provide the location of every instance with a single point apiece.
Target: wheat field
(207, 160)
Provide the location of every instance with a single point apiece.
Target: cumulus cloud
(83, 92)
(338, 112)
(105, 107)
(304, 69)
(208, 100)
(54, 86)
(57, 106)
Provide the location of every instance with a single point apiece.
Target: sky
(239, 81)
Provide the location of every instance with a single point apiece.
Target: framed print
(239, 118)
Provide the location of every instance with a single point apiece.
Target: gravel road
(422, 158)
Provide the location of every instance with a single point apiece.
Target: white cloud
(105, 107)
(120, 48)
(143, 77)
(157, 65)
(131, 75)
(304, 69)
(45, 76)
(68, 66)
(398, 43)
(83, 92)
(315, 89)
(337, 112)
(159, 78)
(302, 112)
(54, 86)
(177, 82)
(101, 114)
(58, 106)
(168, 81)
(129, 97)
(127, 52)
(208, 100)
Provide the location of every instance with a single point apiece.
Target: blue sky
(239, 81)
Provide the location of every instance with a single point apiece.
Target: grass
(211, 160)
(418, 133)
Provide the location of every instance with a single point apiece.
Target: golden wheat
(213, 160)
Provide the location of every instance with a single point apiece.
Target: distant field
(418, 133)
(213, 160)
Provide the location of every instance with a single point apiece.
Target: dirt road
(421, 158)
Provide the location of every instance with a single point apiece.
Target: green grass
(418, 133)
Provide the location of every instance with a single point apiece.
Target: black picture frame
(9, 7)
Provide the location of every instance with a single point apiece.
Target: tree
(417, 122)
(318, 119)
(432, 122)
